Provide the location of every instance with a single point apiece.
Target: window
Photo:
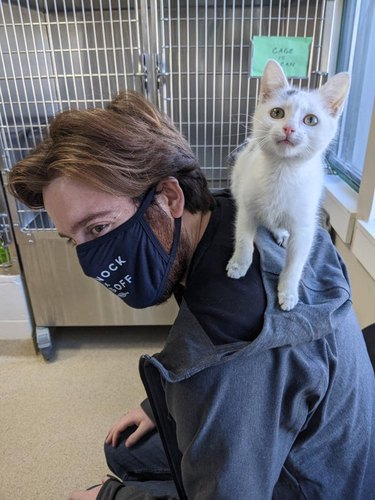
(356, 54)
(349, 197)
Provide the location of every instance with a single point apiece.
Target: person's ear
(171, 197)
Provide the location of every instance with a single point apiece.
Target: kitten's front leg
(242, 257)
(298, 249)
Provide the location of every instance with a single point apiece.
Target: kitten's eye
(277, 113)
(311, 120)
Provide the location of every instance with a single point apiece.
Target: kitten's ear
(334, 92)
(273, 79)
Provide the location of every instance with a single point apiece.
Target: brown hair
(123, 150)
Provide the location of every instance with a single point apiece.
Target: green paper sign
(291, 53)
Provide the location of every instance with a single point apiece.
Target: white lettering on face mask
(118, 287)
(113, 266)
(122, 283)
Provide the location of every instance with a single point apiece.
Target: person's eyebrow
(86, 220)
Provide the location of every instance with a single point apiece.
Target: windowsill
(340, 201)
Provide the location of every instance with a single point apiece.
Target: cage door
(203, 63)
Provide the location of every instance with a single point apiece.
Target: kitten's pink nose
(288, 130)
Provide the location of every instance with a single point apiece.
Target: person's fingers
(108, 439)
(135, 416)
(111, 433)
(117, 429)
(136, 435)
(115, 437)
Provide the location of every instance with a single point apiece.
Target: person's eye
(98, 229)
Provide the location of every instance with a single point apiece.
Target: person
(265, 403)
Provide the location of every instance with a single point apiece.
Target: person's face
(82, 213)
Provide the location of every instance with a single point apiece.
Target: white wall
(14, 315)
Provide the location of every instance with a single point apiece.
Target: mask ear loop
(176, 239)
(146, 202)
(172, 256)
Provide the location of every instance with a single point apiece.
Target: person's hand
(136, 416)
(85, 494)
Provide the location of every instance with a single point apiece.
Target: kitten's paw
(281, 237)
(287, 301)
(236, 270)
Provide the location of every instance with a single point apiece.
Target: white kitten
(277, 179)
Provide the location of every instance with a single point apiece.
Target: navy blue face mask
(129, 260)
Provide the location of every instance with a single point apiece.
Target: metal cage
(191, 58)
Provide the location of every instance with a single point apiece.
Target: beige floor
(54, 416)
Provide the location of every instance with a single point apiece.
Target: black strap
(151, 379)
